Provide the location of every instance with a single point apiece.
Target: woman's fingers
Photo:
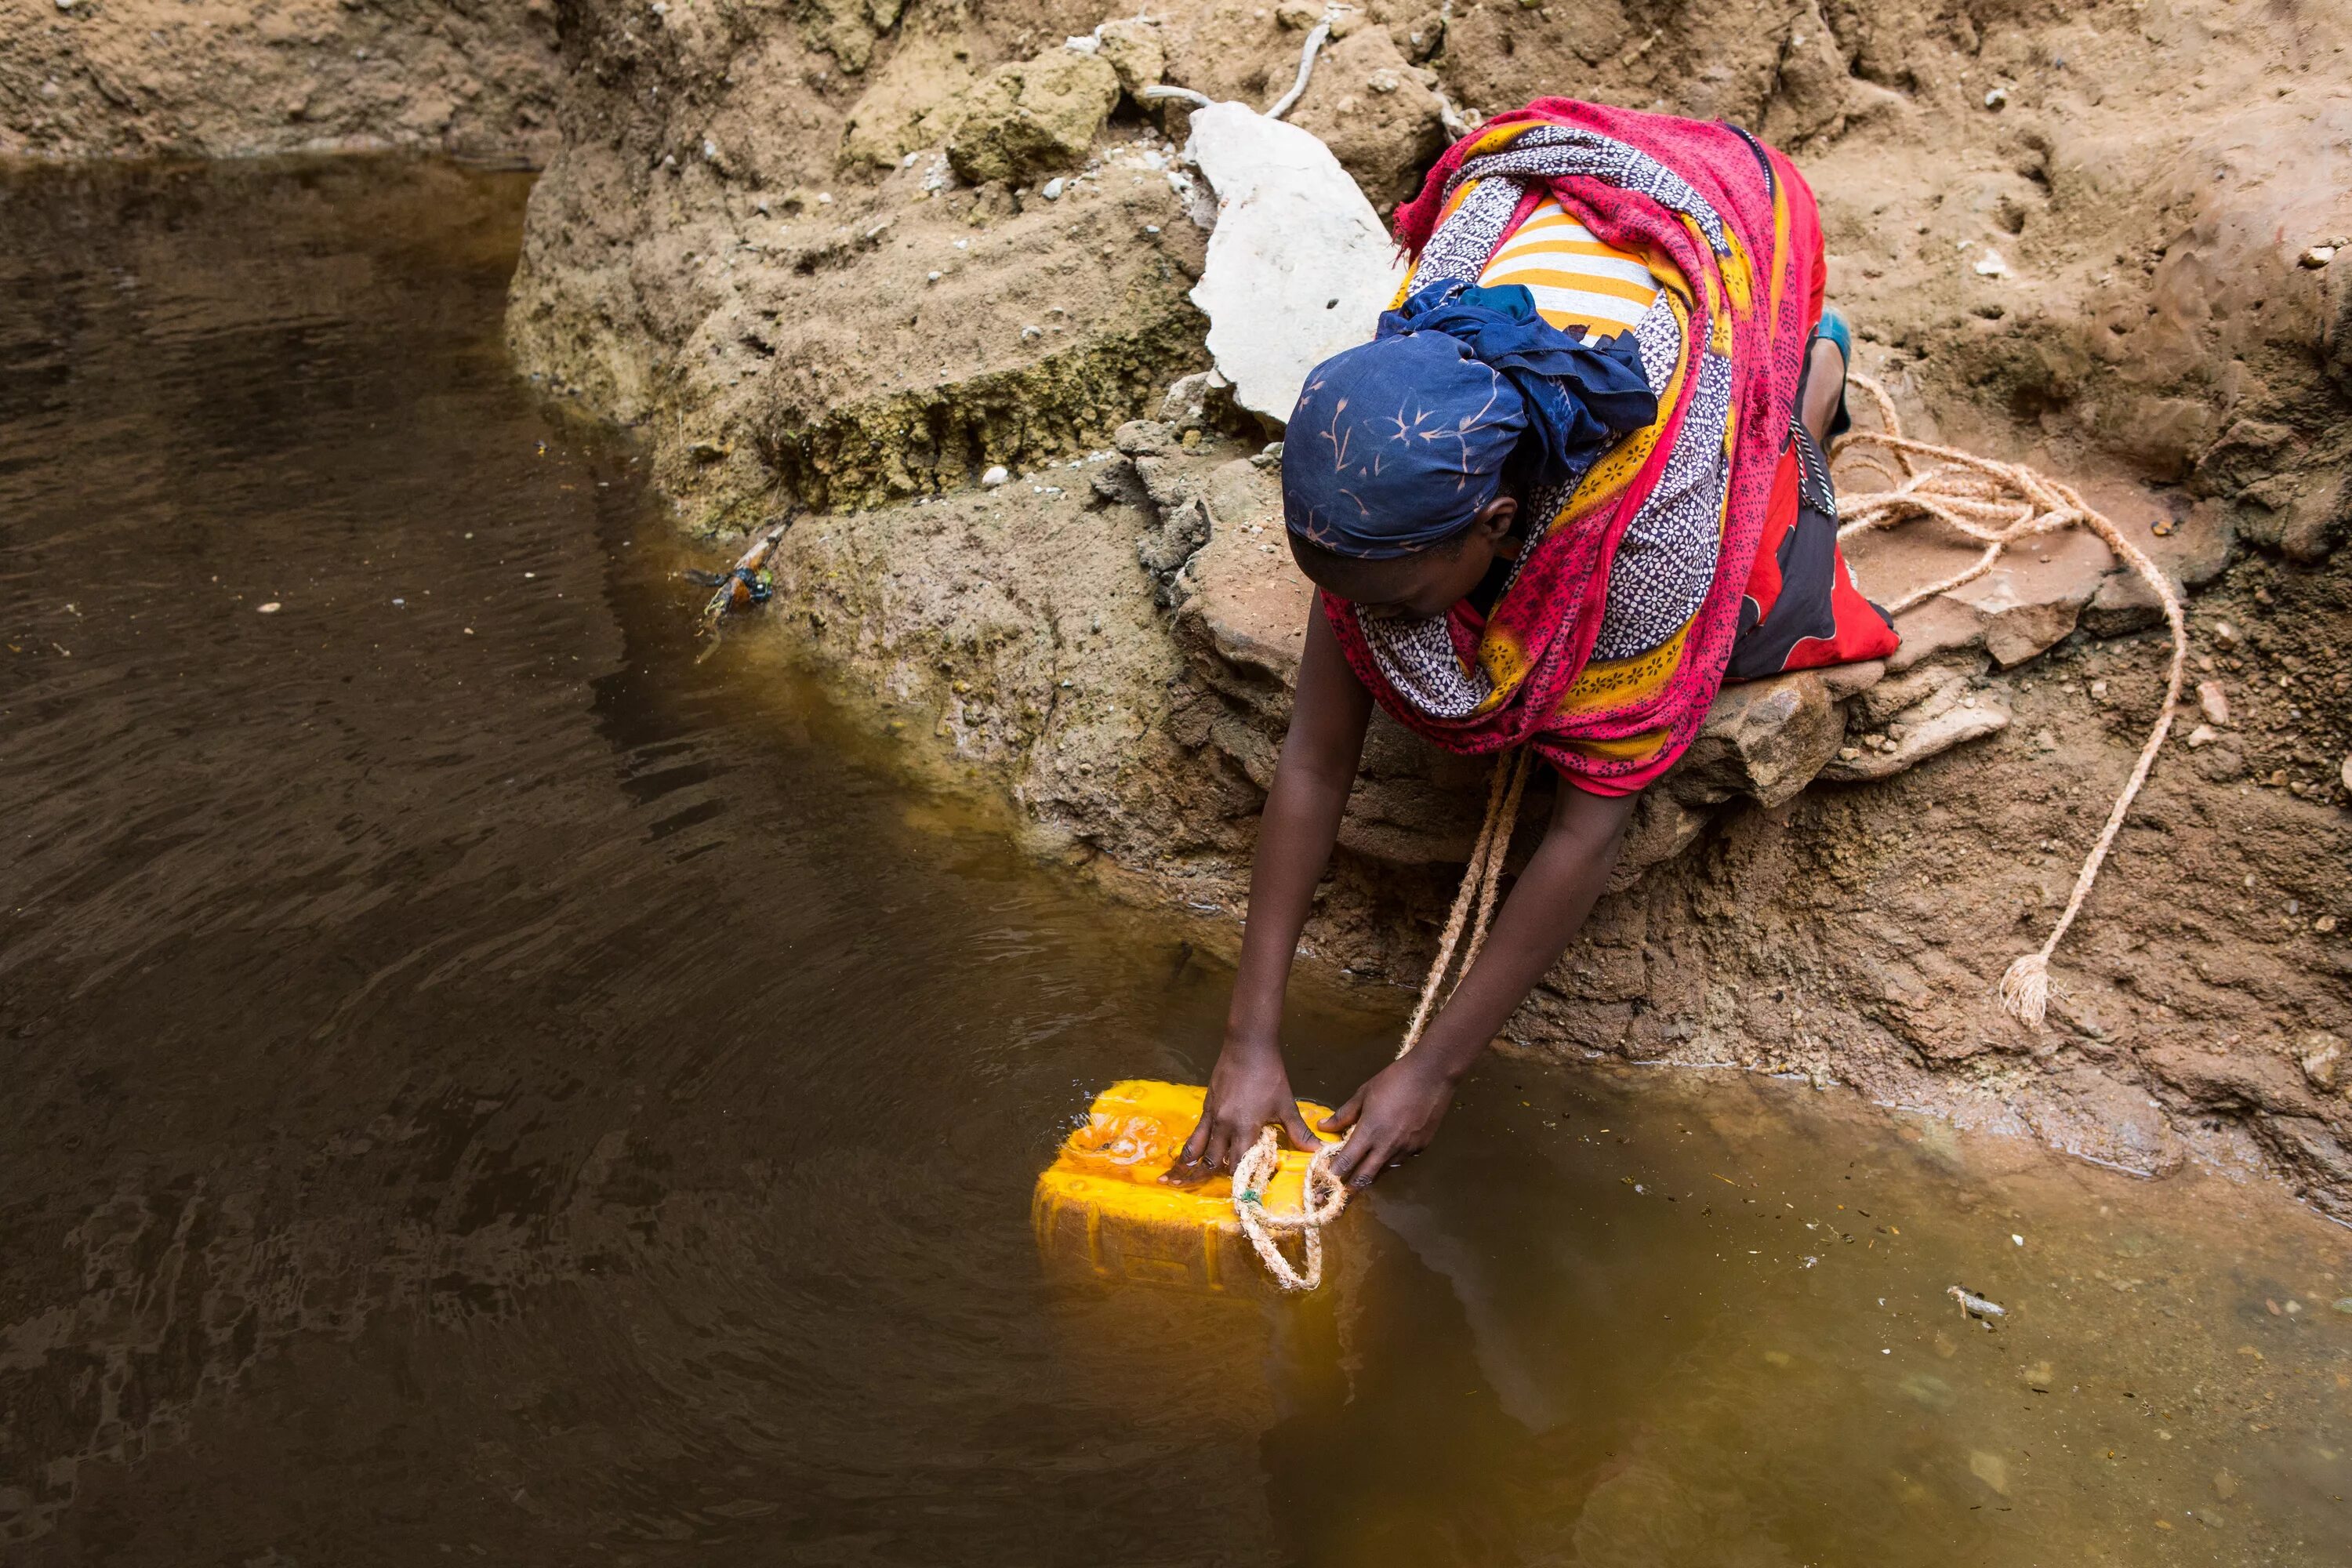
(1208, 1150)
(1218, 1141)
(1234, 1139)
(1343, 1159)
(1190, 1154)
(1186, 1166)
(1370, 1151)
(1361, 1156)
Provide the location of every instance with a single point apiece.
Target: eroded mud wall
(207, 78)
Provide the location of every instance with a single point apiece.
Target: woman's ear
(1493, 520)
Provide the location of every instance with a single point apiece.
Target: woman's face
(1417, 586)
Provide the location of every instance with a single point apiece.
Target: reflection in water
(486, 1083)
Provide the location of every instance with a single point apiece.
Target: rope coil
(1324, 1194)
(1997, 504)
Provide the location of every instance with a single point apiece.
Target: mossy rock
(1029, 116)
(1133, 46)
(931, 440)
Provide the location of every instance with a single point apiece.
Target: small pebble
(2316, 256)
(994, 477)
(2213, 702)
(1052, 189)
(271, 608)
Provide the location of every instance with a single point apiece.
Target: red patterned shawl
(1730, 229)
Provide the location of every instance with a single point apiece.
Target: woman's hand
(1249, 1088)
(1392, 1118)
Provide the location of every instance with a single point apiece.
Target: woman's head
(1392, 467)
(1408, 458)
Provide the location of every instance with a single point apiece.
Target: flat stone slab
(1247, 594)
(2030, 601)
(1969, 719)
(1765, 739)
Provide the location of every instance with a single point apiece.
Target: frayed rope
(1997, 504)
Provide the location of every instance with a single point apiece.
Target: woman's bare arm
(1396, 1113)
(1251, 1086)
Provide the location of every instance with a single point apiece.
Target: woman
(1575, 481)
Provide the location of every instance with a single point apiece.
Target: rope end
(2025, 990)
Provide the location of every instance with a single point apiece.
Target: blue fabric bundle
(1395, 444)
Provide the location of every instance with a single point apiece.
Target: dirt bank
(846, 260)
(90, 79)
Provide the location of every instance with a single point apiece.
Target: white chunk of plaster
(1299, 265)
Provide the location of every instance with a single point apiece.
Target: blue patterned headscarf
(1396, 444)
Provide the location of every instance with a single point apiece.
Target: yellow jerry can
(1101, 1205)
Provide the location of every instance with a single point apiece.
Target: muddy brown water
(484, 1084)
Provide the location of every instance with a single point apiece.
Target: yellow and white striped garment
(1577, 281)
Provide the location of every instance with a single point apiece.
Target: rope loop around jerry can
(1325, 1195)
